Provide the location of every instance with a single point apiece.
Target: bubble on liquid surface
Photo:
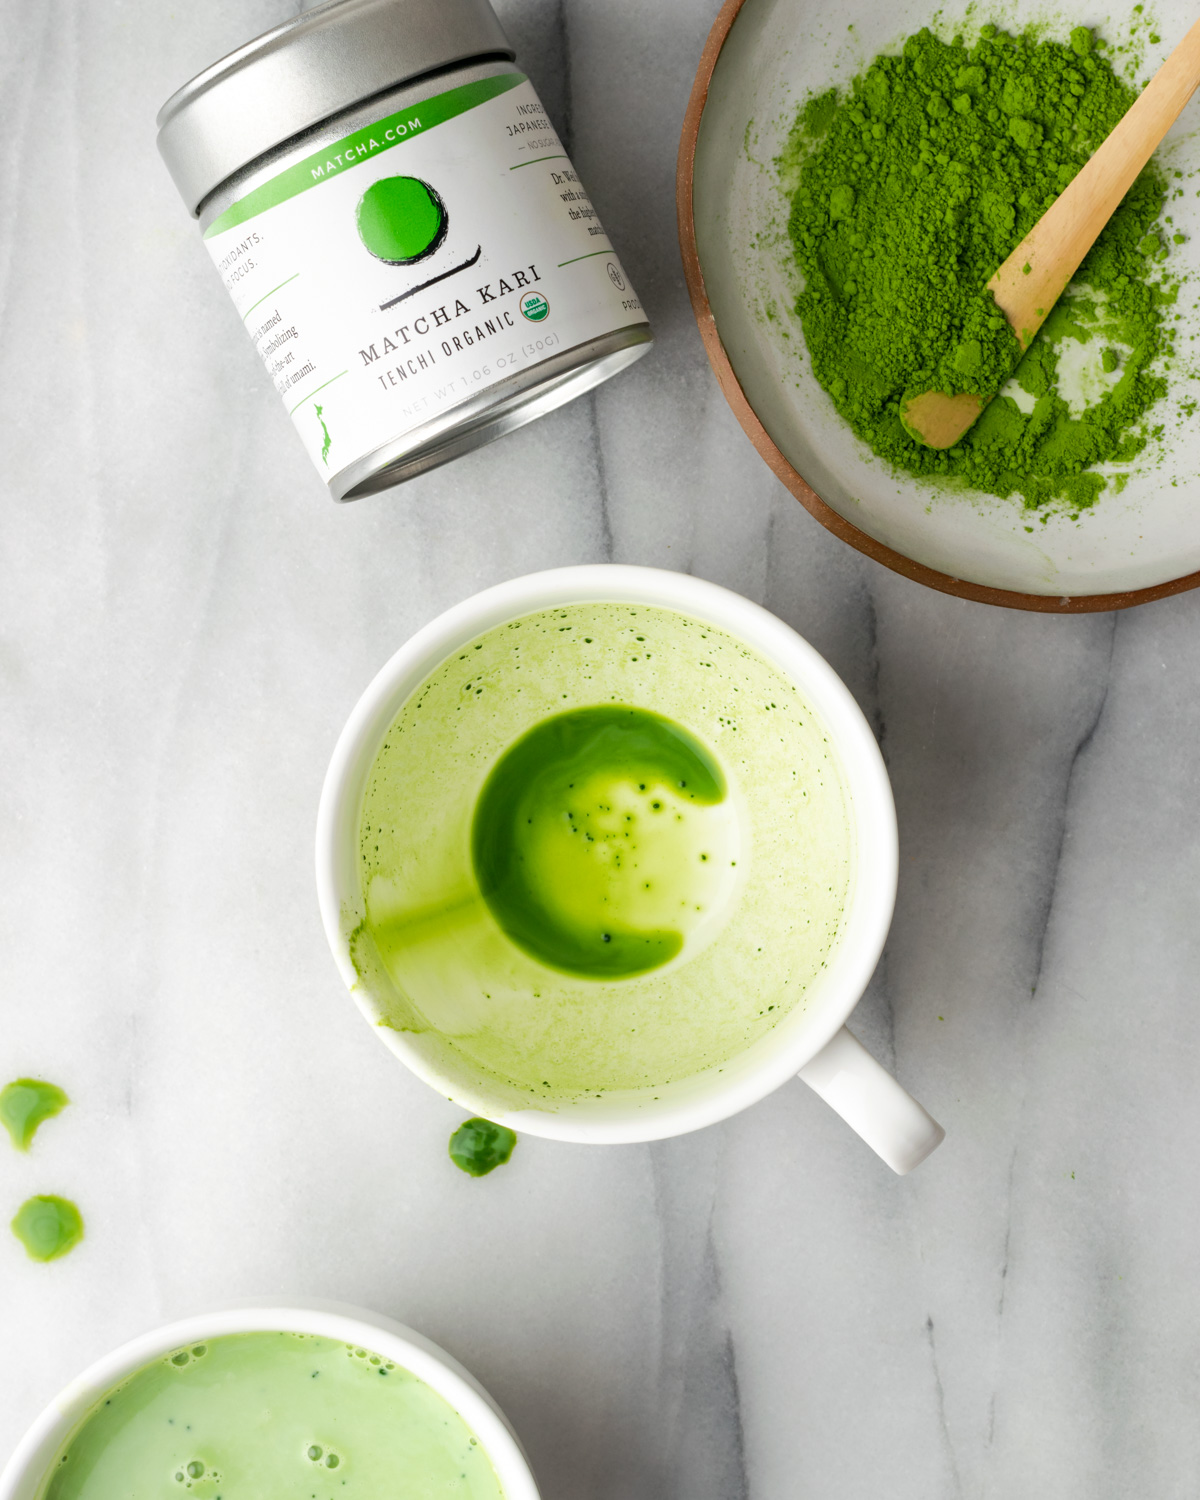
(323, 1457)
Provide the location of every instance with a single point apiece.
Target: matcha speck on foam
(910, 190)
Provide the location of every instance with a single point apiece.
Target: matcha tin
(401, 232)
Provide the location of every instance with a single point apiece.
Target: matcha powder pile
(911, 190)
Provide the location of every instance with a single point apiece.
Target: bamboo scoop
(1036, 274)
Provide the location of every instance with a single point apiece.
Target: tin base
(501, 408)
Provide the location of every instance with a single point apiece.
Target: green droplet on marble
(478, 1146)
(24, 1104)
(48, 1227)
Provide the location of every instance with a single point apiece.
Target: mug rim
(28, 1468)
(812, 1023)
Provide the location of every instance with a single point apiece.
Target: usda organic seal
(534, 306)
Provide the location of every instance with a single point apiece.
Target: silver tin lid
(306, 70)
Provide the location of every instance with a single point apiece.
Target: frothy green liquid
(272, 1416)
(602, 848)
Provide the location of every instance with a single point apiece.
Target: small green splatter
(479, 1147)
(48, 1227)
(24, 1104)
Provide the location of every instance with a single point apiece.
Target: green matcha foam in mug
(268, 1402)
(607, 854)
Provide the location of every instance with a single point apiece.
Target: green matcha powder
(912, 188)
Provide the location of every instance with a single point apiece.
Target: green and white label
(393, 274)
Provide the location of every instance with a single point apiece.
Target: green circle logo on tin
(401, 220)
(534, 306)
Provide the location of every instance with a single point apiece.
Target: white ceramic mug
(811, 1040)
(26, 1471)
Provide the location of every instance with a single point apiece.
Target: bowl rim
(25, 1473)
(754, 429)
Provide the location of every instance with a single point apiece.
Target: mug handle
(872, 1103)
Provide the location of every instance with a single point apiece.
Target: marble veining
(760, 1310)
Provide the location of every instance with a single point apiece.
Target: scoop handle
(1068, 229)
(872, 1103)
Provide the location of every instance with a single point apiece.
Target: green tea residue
(48, 1227)
(479, 1147)
(582, 838)
(24, 1104)
(917, 184)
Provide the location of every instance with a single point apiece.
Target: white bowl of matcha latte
(607, 854)
(265, 1403)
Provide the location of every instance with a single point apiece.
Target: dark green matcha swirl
(560, 827)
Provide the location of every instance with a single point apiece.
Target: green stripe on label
(533, 161)
(317, 392)
(271, 293)
(333, 160)
(608, 250)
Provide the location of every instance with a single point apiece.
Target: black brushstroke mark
(466, 266)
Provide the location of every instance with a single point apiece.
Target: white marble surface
(758, 1310)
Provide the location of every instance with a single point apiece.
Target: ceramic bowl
(762, 59)
(25, 1472)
